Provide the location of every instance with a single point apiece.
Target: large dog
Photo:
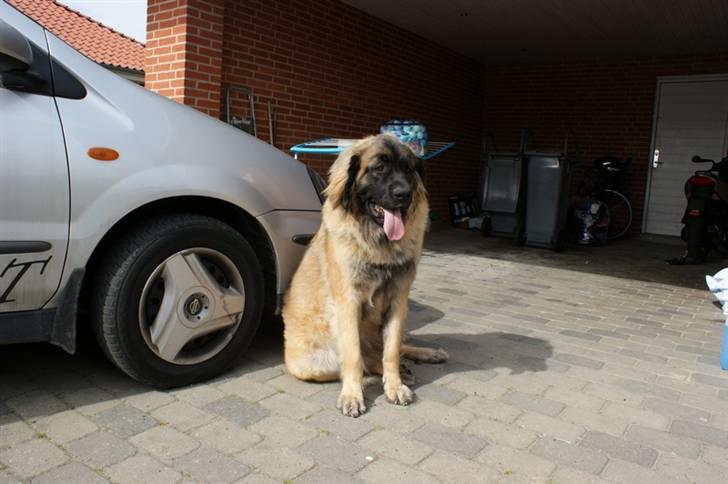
(346, 308)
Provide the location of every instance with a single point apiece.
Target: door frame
(655, 113)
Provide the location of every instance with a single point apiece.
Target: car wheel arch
(226, 212)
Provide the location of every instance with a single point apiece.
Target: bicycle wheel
(620, 212)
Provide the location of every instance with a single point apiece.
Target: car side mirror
(15, 52)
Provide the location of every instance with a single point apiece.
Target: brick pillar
(183, 56)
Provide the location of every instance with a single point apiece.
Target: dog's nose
(402, 194)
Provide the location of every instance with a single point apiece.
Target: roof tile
(97, 41)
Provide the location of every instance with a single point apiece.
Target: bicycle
(606, 187)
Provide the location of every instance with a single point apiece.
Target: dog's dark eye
(384, 158)
(378, 169)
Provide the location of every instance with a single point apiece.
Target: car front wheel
(178, 300)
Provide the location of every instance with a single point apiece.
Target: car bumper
(289, 231)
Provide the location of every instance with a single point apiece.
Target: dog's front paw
(398, 394)
(351, 405)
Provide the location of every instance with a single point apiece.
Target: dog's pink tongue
(393, 225)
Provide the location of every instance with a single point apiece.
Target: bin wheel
(518, 238)
(486, 228)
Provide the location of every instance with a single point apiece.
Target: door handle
(656, 159)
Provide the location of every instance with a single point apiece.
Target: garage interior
(624, 78)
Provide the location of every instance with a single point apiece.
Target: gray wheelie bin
(547, 192)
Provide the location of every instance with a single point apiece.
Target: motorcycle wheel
(697, 249)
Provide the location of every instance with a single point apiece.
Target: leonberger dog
(346, 308)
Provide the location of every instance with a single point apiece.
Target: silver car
(174, 232)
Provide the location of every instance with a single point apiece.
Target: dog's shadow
(476, 355)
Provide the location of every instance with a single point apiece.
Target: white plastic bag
(718, 285)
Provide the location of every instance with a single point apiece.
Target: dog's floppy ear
(420, 167)
(347, 196)
(342, 178)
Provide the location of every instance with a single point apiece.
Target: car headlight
(318, 183)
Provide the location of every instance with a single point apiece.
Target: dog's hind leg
(322, 365)
(423, 355)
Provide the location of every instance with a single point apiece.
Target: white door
(692, 119)
(34, 191)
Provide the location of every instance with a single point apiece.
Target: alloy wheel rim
(191, 306)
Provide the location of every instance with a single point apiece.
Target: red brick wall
(607, 107)
(331, 70)
(183, 56)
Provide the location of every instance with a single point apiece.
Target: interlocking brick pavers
(182, 416)
(440, 393)
(692, 470)
(164, 442)
(65, 426)
(71, 472)
(142, 469)
(544, 425)
(279, 462)
(439, 413)
(663, 441)
(395, 446)
(290, 406)
(36, 404)
(90, 400)
(560, 372)
(628, 473)
(386, 470)
(14, 430)
(492, 409)
(337, 453)
(32, 458)
(225, 436)
(247, 389)
(639, 416)
(569, 454)
(525, 401)
(100, 449)
(504, 434)
(453, 469)
(326, 475)
(700, 432)
(619, 448)
(147, 401)
(124, 420)
(237, 410)
(284, 431)
(592, 420)
(206, 464)
(330, 422)
(676, 410)
(450, 440)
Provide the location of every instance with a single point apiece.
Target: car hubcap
(191, 306)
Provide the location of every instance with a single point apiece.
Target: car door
(34, 182)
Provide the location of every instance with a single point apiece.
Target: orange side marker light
(103, 154)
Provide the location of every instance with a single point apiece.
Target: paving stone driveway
(594, 365)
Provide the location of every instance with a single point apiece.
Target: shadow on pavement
(637, 259)
(39, 380)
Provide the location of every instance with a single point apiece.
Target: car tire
(124, 299)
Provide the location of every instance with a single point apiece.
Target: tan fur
(342, 318)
